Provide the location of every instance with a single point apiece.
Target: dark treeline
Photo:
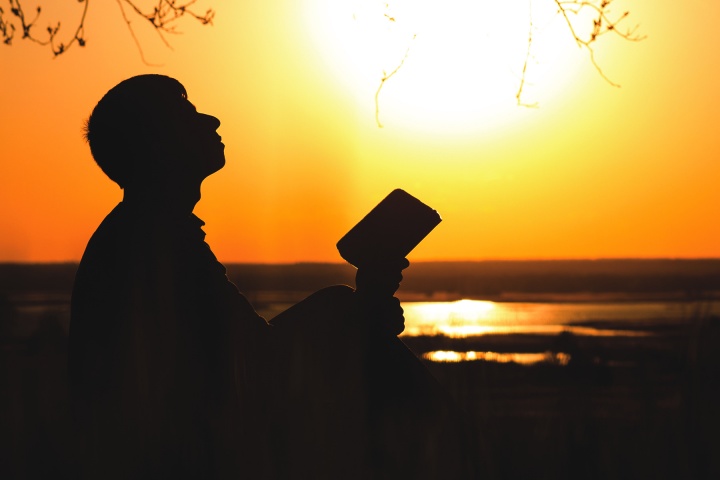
(693, 278)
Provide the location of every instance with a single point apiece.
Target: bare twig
(166, 13)
(528, 56)
(151, 18)
(384, 79)
(603, 23)
(134, 37)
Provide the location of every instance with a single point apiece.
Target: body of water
(465, 318)
(470, 318)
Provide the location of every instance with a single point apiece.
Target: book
(390, 231)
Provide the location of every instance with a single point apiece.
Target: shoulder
(99, 249)
(115, 229)
(112, 258)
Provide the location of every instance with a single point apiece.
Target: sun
(450, 66)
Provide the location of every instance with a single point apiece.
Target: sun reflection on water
(519, 358)
(456, 319)
(467, 318)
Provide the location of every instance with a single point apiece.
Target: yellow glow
(595, 172)
(461, 60)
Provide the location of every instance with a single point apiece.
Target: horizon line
(484, 260)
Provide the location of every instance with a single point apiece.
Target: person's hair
(123, 123)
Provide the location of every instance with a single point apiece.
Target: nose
(213, 121)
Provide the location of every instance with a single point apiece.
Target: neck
(169, 199)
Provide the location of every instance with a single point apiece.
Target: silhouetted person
(174, 375)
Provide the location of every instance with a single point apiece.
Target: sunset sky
(594, 171)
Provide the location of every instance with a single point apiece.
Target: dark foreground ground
(635, 408)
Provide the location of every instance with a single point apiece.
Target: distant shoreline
(507, 281)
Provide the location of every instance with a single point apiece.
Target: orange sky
(594, 172)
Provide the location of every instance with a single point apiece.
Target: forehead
(179, 105)
(175, 112)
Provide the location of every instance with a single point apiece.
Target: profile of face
(189, 142)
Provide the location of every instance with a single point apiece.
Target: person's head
(145, 130)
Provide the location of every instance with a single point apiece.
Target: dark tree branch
(162, 17)
(17, 20)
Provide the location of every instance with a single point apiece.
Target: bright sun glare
(462, 60)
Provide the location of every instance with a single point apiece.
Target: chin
(216, 165)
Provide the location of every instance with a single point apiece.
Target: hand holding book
(377, 246)
(375, 285)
